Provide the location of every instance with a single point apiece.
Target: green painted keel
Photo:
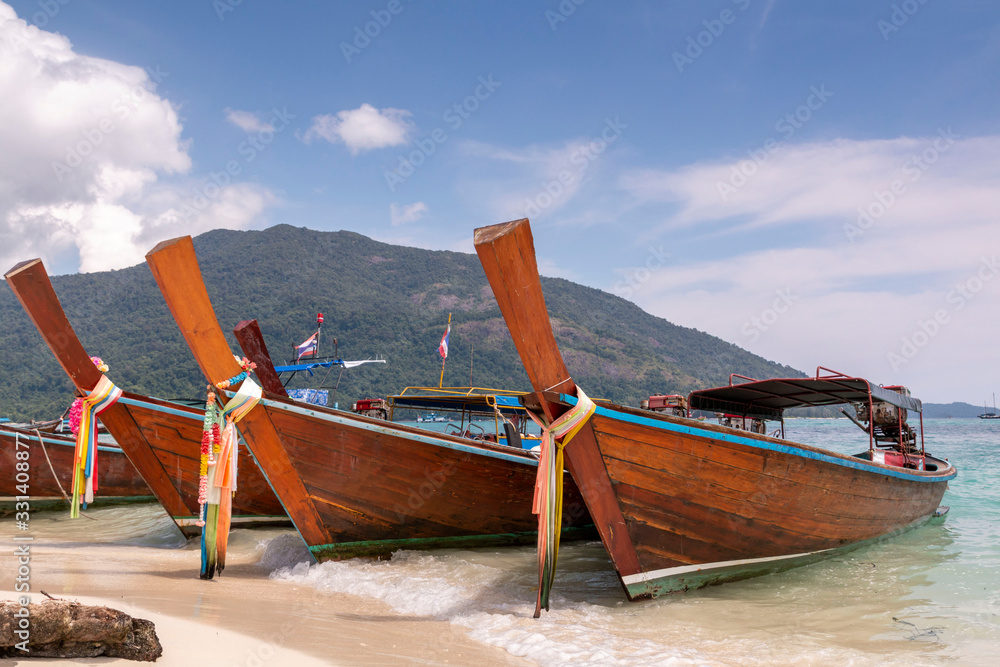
(342, 550)
(51, 503)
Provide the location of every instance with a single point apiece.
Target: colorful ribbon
(547, 502)
(237, 408)
(246, 365)
(220, 475)
(103, 396)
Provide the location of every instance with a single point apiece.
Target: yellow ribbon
(547, 501)
(102, 396)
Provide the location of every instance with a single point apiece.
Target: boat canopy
(474, 399)
(310, 365)
(768, 399)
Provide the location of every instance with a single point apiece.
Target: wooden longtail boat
(680, 503)
(50, 462)
(354, 485)
(161, 438)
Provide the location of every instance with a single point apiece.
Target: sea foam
(492, 603)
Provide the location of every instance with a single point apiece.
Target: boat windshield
(479, 413)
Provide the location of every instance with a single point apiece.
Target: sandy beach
(241, 618)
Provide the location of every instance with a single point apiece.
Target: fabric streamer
(208, 504)
(76, 410)
(547, 503)
(220, 454)
(103, 396)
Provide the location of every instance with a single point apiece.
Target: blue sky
(815, 183)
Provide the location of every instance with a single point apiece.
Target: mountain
(377, 298)
(952, 410)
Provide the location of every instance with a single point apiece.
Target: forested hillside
(378, 299)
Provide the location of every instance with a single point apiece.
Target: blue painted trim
(846, 462)
(309, 365)
(392, 430)
(63, 443)
(162, 408)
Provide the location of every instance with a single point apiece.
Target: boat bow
(507, 253)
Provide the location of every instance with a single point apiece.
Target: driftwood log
(64, 629)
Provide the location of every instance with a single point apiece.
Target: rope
(51, 468)
(54, 475)
(557, 384)
(547, 501)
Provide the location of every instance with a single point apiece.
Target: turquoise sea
(929, 597)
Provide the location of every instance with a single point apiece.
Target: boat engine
(888, 423)
(741, 423)
(377, 408)
(668, 404)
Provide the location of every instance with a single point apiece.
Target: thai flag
(308, 347)
(443, 347)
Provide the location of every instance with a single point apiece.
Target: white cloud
(816, 183)
(534, 181)
(547, 267)
(859, 288)
(363, 129)
(403, 214)
(85, 141)
(427, 241)
(766, 13)
(171, 208)
(247, 121)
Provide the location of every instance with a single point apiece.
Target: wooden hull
(679, 503)
(379, 486)
(173, 432)
(705, 504)
(117, 478)
(353, 485)
(162, 439)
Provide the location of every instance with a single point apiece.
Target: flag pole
(444, 357)
(319, 326)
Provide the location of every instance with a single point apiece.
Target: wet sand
(242, 617)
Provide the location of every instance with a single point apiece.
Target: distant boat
(986, 411)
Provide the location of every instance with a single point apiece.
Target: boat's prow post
(507, 253)
(32, 287)
(251, 341)
(175, 268)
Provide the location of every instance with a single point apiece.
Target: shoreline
(242, 617)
